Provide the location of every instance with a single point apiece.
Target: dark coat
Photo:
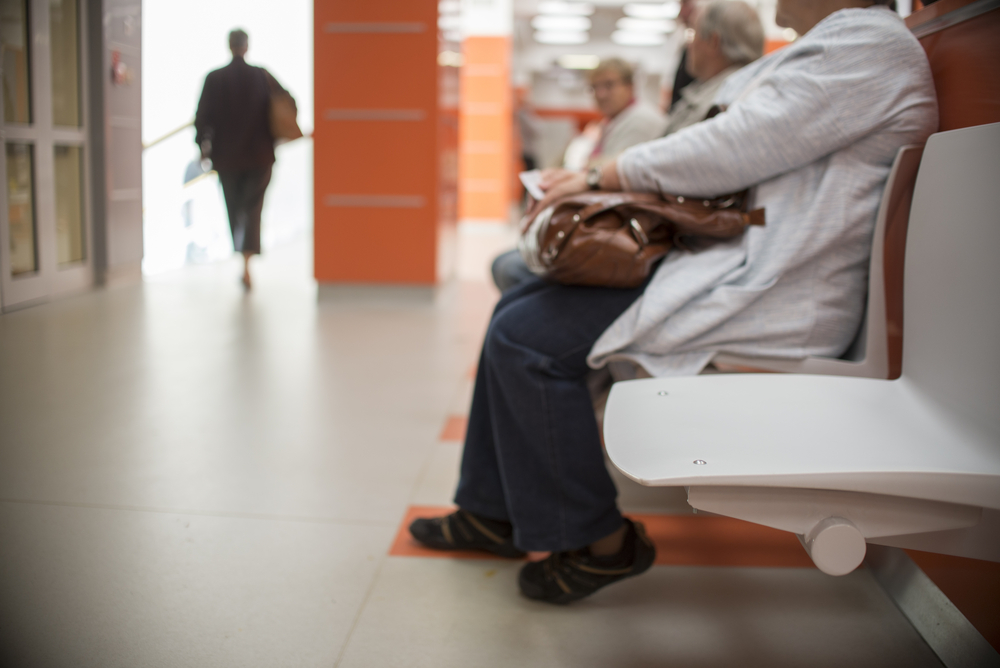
(233, 115)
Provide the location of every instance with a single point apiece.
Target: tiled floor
(191, 476)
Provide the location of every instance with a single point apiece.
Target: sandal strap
(480, 527)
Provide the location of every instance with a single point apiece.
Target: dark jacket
(233, 115)
(681, 79)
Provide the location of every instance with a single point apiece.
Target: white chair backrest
(870, 355)
(870, 345)
(951, 317)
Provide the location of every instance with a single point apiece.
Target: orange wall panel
(485, 129)
(381, 155)
(394, 234)
(377, 166)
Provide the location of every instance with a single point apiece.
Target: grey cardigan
(815, 137)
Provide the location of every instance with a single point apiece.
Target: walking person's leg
(230, 182)
(253, 188)
(244, 195)
(233, 190)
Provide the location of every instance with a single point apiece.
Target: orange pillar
(377, 165)
(485, 129)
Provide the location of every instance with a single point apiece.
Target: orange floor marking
(681, 540)
(454, 428)
(702, 540)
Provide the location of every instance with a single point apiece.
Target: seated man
(626, 122)
(813, 129)
(728, 35)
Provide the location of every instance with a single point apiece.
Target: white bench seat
(821, 432)
(840, 460)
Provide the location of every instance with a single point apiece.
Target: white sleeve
(825, 95)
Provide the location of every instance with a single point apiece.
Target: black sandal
(464, 531)
(564, 577)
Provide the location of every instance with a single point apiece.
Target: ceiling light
(565, 8)
(560, 23)
(579, 61)
(450, 59)
(450, 22)
(647, 25)
(547, 37)
(643, 10)
(627, 38)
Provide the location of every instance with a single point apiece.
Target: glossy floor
(191, 476)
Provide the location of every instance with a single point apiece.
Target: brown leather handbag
(282, 112)
(613, 239)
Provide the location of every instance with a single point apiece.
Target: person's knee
(509, 270)
(505, 339)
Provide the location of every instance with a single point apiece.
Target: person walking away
(233, 130)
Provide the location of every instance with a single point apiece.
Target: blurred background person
(683, 77)
(528, 129)
(626, 122)
(233, 130)
(728, 35)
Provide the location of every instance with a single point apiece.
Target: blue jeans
(533, 455)
(509, 270)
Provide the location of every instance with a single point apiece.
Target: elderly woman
(813, 129)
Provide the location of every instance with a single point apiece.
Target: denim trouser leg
(532, 452)
(509, 270)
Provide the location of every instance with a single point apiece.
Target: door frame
(49, 280)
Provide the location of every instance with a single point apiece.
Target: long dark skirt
(244, 193)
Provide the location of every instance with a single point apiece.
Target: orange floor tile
(681, 540)
(454, 428)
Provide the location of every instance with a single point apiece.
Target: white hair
(741, 35)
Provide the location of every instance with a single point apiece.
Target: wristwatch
(594, 178)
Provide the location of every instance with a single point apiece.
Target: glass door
(45, 241)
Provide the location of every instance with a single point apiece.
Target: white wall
(183, 40)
